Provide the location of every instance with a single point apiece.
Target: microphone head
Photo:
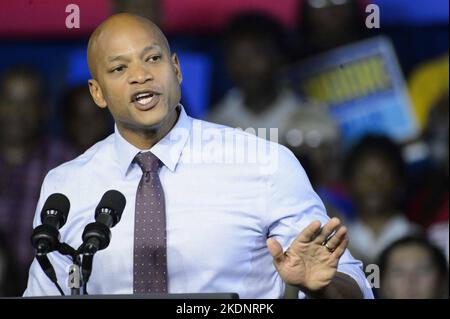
(115, 202)
(57, 205)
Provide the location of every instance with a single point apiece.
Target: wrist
(319, 293)
(342, 286)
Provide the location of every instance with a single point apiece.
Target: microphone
(45, 237)
(97, 235)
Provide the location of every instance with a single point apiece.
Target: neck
(376, 221)
(144, 139)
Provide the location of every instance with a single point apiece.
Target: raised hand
(312, 259)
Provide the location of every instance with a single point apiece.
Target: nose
(140, 74)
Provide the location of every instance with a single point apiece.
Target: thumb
(275, 250)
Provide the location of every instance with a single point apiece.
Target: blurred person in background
(314, 138)
(413, 268)
(328, 24)
(428, 204)
(375, 174)
(8, 269)
(253, 51)
(27, 153)
(84, 123)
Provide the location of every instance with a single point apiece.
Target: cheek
(397, 287)
(174, 89)
(112, 88)
(360, 185)
(428, 282)
(397, 282)
(115, 98)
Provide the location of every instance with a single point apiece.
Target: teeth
(143, 95)
(144, 100)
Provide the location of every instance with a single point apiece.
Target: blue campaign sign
(363, 85)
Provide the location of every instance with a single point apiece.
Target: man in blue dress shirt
(240, 213)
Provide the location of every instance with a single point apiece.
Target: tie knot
(148, 162)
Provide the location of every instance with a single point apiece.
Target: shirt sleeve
(292, 204)
(38, 283)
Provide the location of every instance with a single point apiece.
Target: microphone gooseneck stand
(79, 271)
(74, 270)
(44, 262)
(78, 274)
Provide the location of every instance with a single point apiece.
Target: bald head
(128, 57)
(111, 29)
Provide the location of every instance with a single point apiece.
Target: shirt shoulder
(87, 161)
(216, 132)
(260, 147)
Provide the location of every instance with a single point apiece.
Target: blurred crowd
(396, 209)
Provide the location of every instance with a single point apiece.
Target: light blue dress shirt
(226, 192)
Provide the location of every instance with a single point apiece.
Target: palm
(307, 263)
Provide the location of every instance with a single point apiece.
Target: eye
(153, 58)
(118, 69)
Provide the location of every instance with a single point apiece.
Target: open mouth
(143, 98)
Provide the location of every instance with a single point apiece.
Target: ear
(96, 93)
(176, 65)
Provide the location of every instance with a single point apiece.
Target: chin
(152, 117)
(151, 124)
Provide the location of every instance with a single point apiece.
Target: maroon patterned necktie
(150, 249)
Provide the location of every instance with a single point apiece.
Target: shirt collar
(168, 149)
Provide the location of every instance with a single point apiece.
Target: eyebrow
(151, 47)
(144, 50)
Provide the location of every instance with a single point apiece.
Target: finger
(339, 251)
(337, 238)
(275, 250)
(327, 230)
(308, 234)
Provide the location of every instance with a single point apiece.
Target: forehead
(408, 253)
(124, 39)
(372, 158)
